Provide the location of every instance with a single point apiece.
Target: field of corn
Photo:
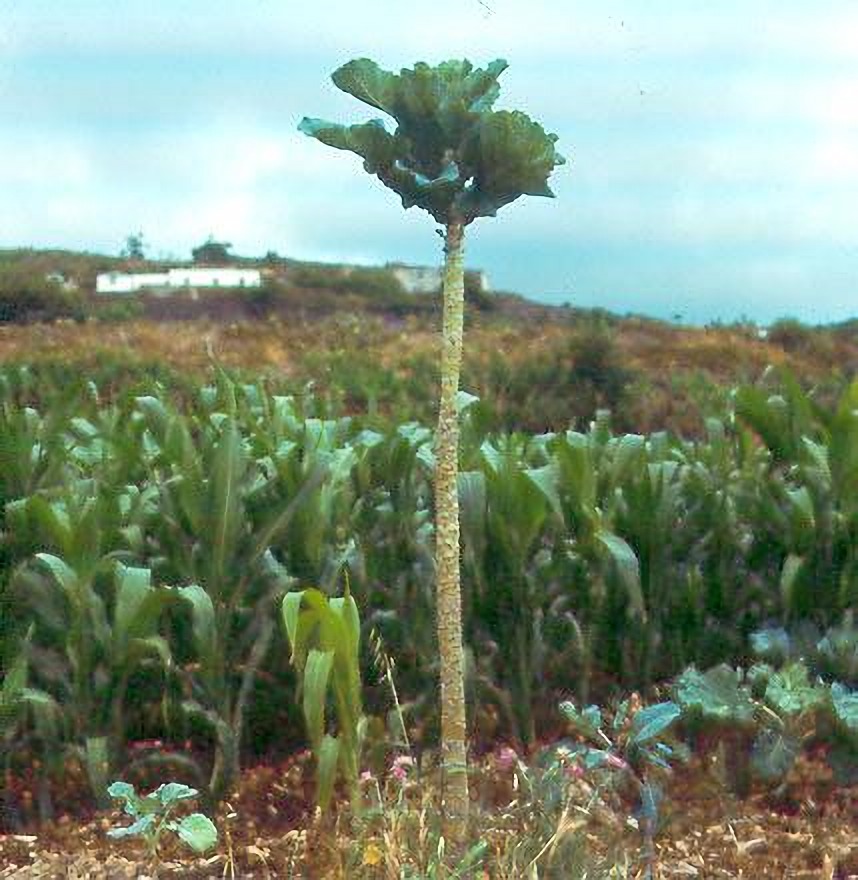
(151, 530)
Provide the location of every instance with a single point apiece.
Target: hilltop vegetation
(535, 368)
(44, 285)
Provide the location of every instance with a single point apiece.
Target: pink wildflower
(575, 771)
(401, 765)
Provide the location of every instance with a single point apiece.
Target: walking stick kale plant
(456, 157)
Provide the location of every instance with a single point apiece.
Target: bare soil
(267, 830)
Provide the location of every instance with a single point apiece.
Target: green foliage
(134, 247)
(837, 655)
(589, 557)
(715, 697)
(28, 295)
(631, 753)
(565, 386)
(97, 625)
(12, 690)
(221, 512)
(795, 337)
(451, 153)
(324, 635)
(810, 507)
(117, 311)
(764, 718)
(153, 816)
(212, 252)
(377, 288)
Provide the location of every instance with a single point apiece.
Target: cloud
(714, 149)
(539, 28)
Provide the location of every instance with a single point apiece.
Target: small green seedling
(152, 815)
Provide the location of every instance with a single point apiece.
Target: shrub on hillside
(26, 295)
(566, 385)
(118, 310)
(475, 296)
(797, 338)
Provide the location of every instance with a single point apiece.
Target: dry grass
(675, 371)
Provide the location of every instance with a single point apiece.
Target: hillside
(357, 335)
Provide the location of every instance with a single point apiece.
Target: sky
(712, 147)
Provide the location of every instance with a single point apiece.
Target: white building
(172, 279)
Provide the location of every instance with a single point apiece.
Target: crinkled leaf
(126, 792)
(845, 707)
(790, 691)
(651, 721)
(513, 156)
(772, 644)
(171, 792)
(121, 789)
(838, 650)
(758, 677)
(451, 154)
(138, 828)
(198, 832)
(370, 140)
(716, 696)
(365, 80)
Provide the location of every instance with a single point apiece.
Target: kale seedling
(633, 747)
(152, 815)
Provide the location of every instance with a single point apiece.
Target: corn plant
(12, 692)
(392, 523)
(725, 578)
(810, 511)
(652, 505)
(221, 512)
(324, 635)
(458, 159)
(504, 514)
(96, 625)
(599, 569)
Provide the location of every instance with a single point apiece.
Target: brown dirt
(267, 831)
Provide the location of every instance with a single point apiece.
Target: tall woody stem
(449, 599)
